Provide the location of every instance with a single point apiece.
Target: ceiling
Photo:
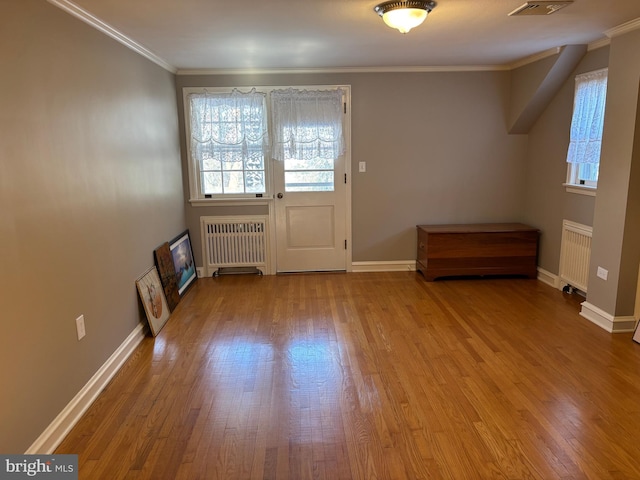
(345, 34)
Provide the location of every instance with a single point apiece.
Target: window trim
(588, 189)
(580, 189)
(229, 202)
(573, 183)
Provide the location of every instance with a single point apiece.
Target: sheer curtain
(228, 119)
(307, 124)
(229, 140)
(588, 117)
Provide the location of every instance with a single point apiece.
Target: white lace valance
(588, 117)
(223, 120)
(307, 124)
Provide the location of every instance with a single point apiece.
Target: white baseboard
(53, 435)
(548, 278)
(607, 321)
(410, 265)
(384, 266)
(555, 281)
(592, 313)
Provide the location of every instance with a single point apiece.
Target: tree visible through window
(229, 142)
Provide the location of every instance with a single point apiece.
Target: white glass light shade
(404, 14)
(404, 19)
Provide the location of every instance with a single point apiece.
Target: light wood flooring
(369, 376)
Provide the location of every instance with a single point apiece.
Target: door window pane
(314, 175)
(315, 164)
(309, 181)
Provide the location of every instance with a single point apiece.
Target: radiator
(575, 254)
(235, 243)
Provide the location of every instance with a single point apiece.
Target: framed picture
(153, 300)
(167, 272)
(183, 262)
(636, 334)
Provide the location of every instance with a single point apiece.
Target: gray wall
(436, 147)
(615, 212)
(547, 202)
(526, 81)
(90, 184)
(615, 223)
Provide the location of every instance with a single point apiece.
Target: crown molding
(603, 42)
(275, 71)
(534, 58)
(98, 24)
(624, 28)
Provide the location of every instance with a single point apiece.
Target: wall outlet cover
(603, 273)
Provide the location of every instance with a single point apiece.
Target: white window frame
(574, 184)
(196, 197)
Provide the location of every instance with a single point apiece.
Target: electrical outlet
(603, 273)
(80, 327)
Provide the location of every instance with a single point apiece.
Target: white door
(311, 216)
(311, 210)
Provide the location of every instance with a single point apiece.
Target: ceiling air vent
(539, 8)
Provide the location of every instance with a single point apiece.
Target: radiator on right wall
(575, 255)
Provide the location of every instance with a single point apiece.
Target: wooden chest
(477, 249)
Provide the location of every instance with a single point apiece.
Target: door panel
(311, 231)
(310, 226)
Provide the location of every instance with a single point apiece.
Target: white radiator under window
(232, 242)
(575, 255)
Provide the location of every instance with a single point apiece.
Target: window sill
(222, 202)
(580, 189)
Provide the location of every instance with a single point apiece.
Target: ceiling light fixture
(404, 14)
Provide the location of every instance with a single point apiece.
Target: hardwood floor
(369, 376)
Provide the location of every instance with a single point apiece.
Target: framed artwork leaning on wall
(183, 261)
(153, 299)
(167, 272)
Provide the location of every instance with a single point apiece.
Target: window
(228, 143)
(228, 140)
(308, 137)
(583, 156)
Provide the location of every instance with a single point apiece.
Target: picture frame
(183, 261)
(153, 299)
(636, 333)
(167, 272)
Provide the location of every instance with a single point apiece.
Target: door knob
(280, 195)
